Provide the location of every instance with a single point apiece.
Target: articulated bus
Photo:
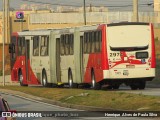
(96, 56)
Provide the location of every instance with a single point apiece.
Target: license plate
(125, 72)
(130, 66)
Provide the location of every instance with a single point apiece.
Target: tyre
(94, 84)
(44, 79)
(134, 86)
(70, 80)
(20, 78)
(142, 85)
(115, 87)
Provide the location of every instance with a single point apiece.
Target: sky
(116, 5)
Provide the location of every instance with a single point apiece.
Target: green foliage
(1, 72)
(156, 39)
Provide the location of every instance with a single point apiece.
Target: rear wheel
(44, 79)
(70, 80)
(142, 85)
(94, 84)
(138, 85)
(134, 86)
(20, 78)
(115, 86)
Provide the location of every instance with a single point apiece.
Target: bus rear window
(129, 48)
(141, 55)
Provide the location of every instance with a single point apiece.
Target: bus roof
(81, 28)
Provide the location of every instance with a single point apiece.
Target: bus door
(81, 57)
(27, 61)
(58, 68)
(86, 50)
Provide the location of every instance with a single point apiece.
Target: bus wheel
(115, 86)
(94, 84)
(44, 79)
(70, 80)
(20, 78)
(142, 85)
(134, 86)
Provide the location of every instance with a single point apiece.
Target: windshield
(129, 36)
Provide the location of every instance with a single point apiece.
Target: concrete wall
(74, 18)
(16, 25)
(7, 59)
(156, 5)
(157, 33)
(91, 17)
(46, 19)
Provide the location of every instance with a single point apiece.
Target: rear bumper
(129, 73)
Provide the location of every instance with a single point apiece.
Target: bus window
(13, 47)
(36, 46)
(62, 45)
(100, 40)
(85, 43)
(89, 40)
(66, 44)
(97, 42)
(44, 45)
(92, 42)
(71, 44)
(21, 46)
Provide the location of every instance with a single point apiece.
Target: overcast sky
(112, 4)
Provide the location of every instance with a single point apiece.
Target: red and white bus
(97, 55)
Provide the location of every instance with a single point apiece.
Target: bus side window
(88, 43)
(47, 45)
(44, 45)
(97, 41)
(85, 43)
(71, 40)
(67, 52)
(13, 47)
(92, 42)
(23, 46)
(62, 45)
(19, 46)
(100, 40)
(36, 46)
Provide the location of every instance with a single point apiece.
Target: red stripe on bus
(105, 65)
(153, 56)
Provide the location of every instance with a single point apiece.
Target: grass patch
(104, 99)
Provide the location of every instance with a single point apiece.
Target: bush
(156, 39)
(1, 72)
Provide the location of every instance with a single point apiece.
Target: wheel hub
(21, 78)
(44, 81)
(70, 83)
(93, 83)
